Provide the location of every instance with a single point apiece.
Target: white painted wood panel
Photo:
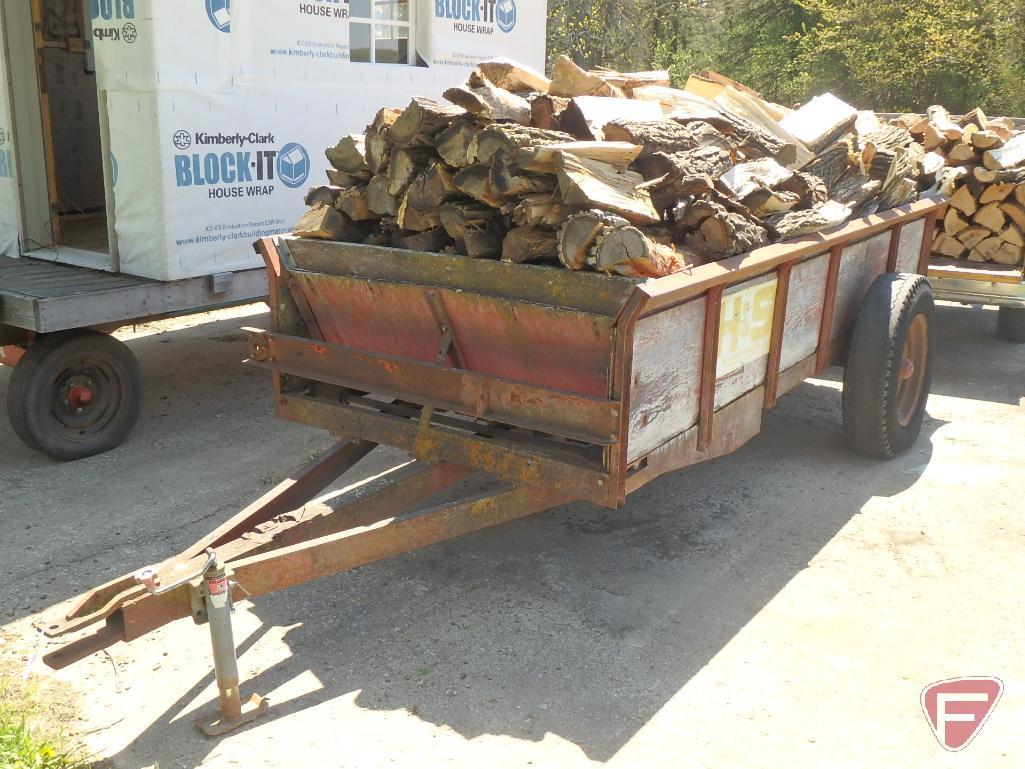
(804, 310)
(910, 246)
(666, 376)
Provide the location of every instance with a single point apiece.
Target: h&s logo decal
(219, 12)
(293, 165)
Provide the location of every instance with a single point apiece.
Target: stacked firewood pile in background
(611, 171)
(985, 157)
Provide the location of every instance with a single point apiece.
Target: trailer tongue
(559, 386)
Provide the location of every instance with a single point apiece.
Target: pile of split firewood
(984, 160)
(611, 171)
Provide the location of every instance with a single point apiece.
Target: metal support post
(216, 588)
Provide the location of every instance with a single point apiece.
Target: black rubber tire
(34, 397)
(871, 377)
(1011, 324)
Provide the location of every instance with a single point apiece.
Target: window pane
(359, 42)
(391, 10)
(359, 8)
(391, 44)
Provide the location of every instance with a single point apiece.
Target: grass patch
(32, 718)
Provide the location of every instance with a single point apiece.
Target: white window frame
(409, 25)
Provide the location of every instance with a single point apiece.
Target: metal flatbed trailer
(76, 390)
(995, 284)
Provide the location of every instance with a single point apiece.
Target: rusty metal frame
(273, 544)
(779, 316)
(592, 420)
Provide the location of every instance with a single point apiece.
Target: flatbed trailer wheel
(889, 366)
(75, 394)
(1011, 324)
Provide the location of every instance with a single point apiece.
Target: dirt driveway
(784, 605)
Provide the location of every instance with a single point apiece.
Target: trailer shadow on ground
(968, 334)
(581, 621)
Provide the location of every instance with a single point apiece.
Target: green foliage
(887, 55)
(21, 748)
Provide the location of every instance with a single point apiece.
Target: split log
(628, 81)
(745, 178)
(377, 144)
(953, 222)
(964, 201)
(349, 154)
(324, 222)
(546, 111)
(853, 189)
(420, 121)
(510, 137)
(944, 245)
(665, 136)
(541, 208)
(430, 241)
(1014, 212)
(1019, 191)
(587, 116)
(598, 185)
(475, 181)
(764, 202)
(409, 218)
(541, 159)
(628, 251)
(975, 117)
(513, 76)
(322, 194)
(820, 121)
(725, 233)
(477, 229)
(986, 140)
(961, 154)
(809, 188)
(994, 249)
(570, 80)
(453, 142)
(342, 179)
(991, 217)
(403, 167)
(939, 118)
(996, 193)
(353, 203)
(797, 223)
(1012, 154)
(1013, 234)
(379, 200)
(511, 185)
(703, 160)
(984, 175)
(972, 236)
(530, 243)
(832, 163)
(578, 233)
(486, 101)
(431, 188)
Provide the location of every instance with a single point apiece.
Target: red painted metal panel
(535, 344)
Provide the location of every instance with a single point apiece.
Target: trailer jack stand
(233, 712)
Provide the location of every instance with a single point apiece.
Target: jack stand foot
(217, 725)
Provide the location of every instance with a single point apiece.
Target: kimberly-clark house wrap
(161, 137)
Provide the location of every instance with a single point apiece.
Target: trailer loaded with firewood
(607, 171)
(979, 245)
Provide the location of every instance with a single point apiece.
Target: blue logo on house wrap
(219, 12)
(505, 15)
(293, 165)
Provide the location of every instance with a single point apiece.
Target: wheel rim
(911, 375)
(85, 398)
